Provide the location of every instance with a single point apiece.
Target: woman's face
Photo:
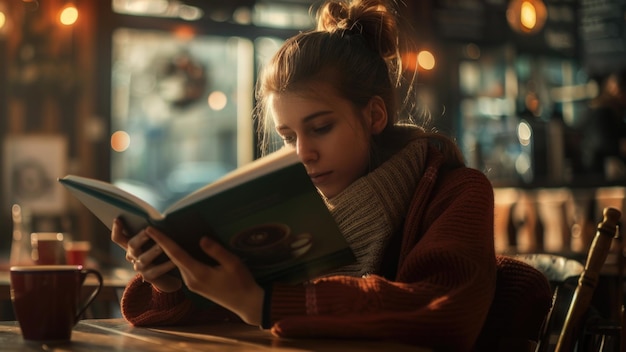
(329, 134)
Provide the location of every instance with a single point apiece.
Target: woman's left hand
(229, 283)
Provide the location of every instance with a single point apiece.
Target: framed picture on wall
(31, 165)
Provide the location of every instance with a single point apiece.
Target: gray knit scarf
(373, 207)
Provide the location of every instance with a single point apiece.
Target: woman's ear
(378, 114)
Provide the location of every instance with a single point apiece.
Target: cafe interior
(155, 96)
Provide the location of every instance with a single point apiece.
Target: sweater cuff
(284, 300)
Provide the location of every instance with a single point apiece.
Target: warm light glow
(528, 15)
(426, 60)
(3, 19)
(409, 61)
(184, 32)
(120, 141)
(69, 15)
(217, 100)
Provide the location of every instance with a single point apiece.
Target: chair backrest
(606, 231)
(562, 274)
(521, 303)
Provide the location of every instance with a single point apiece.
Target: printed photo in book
(268, 212)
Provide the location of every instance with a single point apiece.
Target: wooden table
(117, 335)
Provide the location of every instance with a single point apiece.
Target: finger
(131, 255)
(147, 257)
(216, 251)
(135, 244)
(137, 241)
(117, 233)
(157, 271)
(176, 254)
(131, 259)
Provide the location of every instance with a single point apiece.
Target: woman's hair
(355, 48)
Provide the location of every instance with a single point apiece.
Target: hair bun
(333, 16)
(374, 19)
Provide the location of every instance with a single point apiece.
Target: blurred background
(156, 97)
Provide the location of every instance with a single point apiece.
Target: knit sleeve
(444, 285)
(144, 305)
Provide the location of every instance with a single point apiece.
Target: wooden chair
(562, 274)
(583, 294)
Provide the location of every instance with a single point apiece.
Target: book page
(91, 187)
(257, 168)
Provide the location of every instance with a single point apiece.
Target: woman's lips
(320, 178)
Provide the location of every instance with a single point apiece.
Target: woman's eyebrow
(315, 115)
(307, 118)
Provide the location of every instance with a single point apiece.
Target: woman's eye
(289, 139)
(323, 129)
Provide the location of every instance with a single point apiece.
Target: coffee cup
(47, 248)
(76, 252)
(47, 299)
(269, 243)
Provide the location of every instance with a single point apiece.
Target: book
(268, 212)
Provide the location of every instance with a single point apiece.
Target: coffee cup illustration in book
(269, 244)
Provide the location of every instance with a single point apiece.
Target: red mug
(76, 252)
(47, 299)
(47, 248)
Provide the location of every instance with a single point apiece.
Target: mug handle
(94, 294)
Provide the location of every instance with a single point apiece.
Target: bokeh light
(426, 60)
(217, 100)
(526, 16)
(120, 141)
(3, 19)
(69, 15)
(524, 133)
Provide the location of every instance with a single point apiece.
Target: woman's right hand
(155, 274)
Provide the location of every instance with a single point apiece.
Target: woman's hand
(229, 283)
(156, 274)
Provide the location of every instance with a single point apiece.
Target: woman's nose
(306, 150)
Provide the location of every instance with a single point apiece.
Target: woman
(419, 221)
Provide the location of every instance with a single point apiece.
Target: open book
(268, 212)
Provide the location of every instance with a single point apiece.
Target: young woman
(418, 220)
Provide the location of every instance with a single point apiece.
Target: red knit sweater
(437, 284)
